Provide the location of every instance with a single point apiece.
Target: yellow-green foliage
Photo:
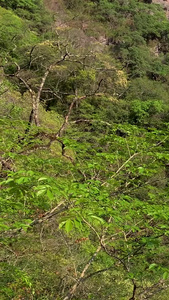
(14, 32)
(18, 107)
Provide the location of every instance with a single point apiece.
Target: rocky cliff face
(165, 4)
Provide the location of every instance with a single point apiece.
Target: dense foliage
(84, 161)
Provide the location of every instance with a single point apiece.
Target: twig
(46, 216)
(82, 275)
(125, 163)
(90, 226)
(75, 286)
(97, 272)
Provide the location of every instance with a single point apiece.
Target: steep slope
(84, 164)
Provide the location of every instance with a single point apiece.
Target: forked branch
(82, 277)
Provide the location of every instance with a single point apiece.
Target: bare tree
(35, 96)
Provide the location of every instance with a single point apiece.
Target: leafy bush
(30, 5)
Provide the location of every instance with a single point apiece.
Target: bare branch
(36, 101)
(97, 272)
(61, 207)
(66, 121)
(125, 163)
(75, 286)
(49, 214)
(149, 292)
(134, 290)
(23, 80)
(30, 56)
(3, 92)
(62, 128)
(82, 275)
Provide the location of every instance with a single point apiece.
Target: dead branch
(149, 292)
(75, 100)
(97, 272)
(82, 275)
(66, 120)
(46, 216)
(49, 214)
(75, 286)
(4, 92)
(34, 115)
(30, 56)
(35, 103)
(90, 121)
(125, 163)
(52, 138)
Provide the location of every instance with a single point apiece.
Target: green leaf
(130, 275)
(68, 225)
(140, 170)
(78, 224)
(152, 266)
(165, 275)
(62, 224)
(98, 218)
(50, 195)
(7, 181)
(23, 180)
(42, 179)
(41, 192)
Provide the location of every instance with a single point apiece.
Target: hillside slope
(84, 163)
(165, 5)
